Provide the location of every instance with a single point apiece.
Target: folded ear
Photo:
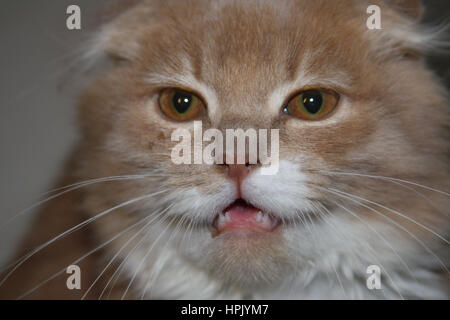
(403, 33)
(411, 9)
(120, 25)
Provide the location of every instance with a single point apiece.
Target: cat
(363, 159)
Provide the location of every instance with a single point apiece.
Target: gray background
(37, 98)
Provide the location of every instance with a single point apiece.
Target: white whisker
(124, 260)
(144, 259)
(394, 223)
(71, 187)
(372, 254)
(21, 260)
(81, 258)
(395, 212)
(147, 285)
(119, 251)
(387, 178)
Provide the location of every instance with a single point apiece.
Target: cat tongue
(242, 216)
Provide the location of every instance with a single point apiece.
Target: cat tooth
(221, 221)
(259, 216)
(266, 220)
(227, 217)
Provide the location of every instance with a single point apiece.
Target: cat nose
(238, 172)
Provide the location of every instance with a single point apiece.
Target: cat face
(333, 199)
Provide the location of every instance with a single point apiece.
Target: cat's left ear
(410, 9)
(403, 32)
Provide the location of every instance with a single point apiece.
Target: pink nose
(238, 172)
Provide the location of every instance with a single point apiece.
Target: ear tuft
(411, 9)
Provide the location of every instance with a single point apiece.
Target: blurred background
(38, 94)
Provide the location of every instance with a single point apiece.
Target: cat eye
(180, 105)
(312, 104)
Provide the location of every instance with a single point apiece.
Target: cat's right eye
(180, 105)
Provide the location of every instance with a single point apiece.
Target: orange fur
(394, 124)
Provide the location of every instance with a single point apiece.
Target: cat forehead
(247, 34)
(235, 48)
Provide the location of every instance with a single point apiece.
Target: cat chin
(253, 259)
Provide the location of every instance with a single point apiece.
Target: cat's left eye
(312, 104)
(180, 105)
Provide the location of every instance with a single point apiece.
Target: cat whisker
(72, 187)
(144, 259)
(396, 213)
(24, 258)
(367, 225)
(83, 257)
(188, 230)
(148, 282)
(305, 222)
(117, 273)
(124, 177)
(340, 282)
(370, 249)
(316, 240)
(386, 178)
(391, 221)
(297, 261)
(123, 247)
(194, 226)
(420, 194)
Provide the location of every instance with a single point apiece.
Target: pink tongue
(241, 216)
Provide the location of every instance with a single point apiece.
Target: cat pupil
(312, 101)
(182, 101)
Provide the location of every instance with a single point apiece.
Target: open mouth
(242, 216)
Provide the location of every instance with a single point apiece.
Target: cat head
(361, 123)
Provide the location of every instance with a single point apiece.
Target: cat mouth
(242, 216)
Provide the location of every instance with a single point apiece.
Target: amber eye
(180, 105)
(312, 104)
